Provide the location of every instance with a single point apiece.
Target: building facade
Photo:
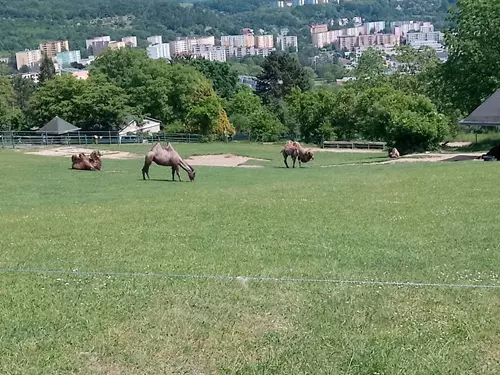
(29, 58)
(130, 41)
(51, 49)
(159, 51)
(64, 59)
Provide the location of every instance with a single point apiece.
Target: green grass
(423, 222)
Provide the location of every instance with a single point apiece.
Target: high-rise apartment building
(51, 49)
(29, 58)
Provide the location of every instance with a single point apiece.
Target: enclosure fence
(11, 139)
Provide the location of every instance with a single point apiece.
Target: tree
(221, 74)
(85, 103)
(7, 110)
(207, 117)
(371, 64)
(265, 126)
(47, 69)
(24, 88)
(472, 71)
(281, 73)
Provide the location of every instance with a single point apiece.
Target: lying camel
(167, 157)
(394, 153)
(85, 163)
(296, 151)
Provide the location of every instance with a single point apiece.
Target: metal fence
(27, 139)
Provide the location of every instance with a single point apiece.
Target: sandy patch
(416, 158)
(347, 150)
(68, 151)
(224, 160)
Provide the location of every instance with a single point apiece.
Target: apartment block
(29, 58)
(320, 28)
(435, 36)
(264, 41)
(155, 39)
(239, 41)
(239, 52)
(209, 52)
(90, 42)
(159, 51)
(287, 41)
(130, 41)
(64, 59)
(116, 44)
(346, 42)
(52, 48)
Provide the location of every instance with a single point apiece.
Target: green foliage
(221, 74)
(472, 71)
(264, 126)
(24, 88)
(281, 73)
(47, 69)
(85, 103)
(371, 65)
(7, 110)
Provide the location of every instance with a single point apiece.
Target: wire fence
(11, 139)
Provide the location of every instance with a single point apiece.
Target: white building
(29, 58)
(130, 41)
(434, 36)
(156, 39)
(208, 52)
(131, 126)
(90, 42)
(237, 40)
(239, 52)
(159, 51)
(285, 42)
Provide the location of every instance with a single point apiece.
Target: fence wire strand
(251, 278)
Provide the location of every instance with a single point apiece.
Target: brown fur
(394, 153)
(296, 151)
(95, 159)
(82, 162)
(167, 157)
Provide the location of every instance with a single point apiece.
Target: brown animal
(167, 157)
(296, 151)
(494, 152)
(394, 153)
(82, 163)
(95, 159)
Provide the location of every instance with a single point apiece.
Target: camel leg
(285, 158)
(145, 170)
(178, 175)
(173, 173)
(294, 158)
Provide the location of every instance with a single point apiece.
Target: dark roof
(487, 114)
(58, 126)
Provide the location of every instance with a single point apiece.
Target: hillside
(25, 23)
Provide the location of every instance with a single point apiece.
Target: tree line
(414, 108)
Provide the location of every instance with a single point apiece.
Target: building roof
(58, 126)
(487, 114)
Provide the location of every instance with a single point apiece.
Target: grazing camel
(296, 151)
(167, 157)
(82, 163)
(394, 153)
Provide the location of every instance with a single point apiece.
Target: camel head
(191, 174)
(306, 156)
(95, 154)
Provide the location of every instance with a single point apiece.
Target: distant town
(349, 42)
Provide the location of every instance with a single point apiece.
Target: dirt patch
(223, 160)
(416, 158)
(68, 151)
(347, 150)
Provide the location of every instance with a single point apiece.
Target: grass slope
(413, 222)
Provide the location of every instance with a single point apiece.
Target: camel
(167, 157)
(296, 151)
(493, 153)
(394, 153)
(82, 163)
(95, 159)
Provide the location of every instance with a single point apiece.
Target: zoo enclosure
(19, 139)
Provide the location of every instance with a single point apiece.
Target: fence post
(12, 139)
(109, 135)
(79, 142)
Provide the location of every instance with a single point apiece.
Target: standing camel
(296, 151)
(167, 157)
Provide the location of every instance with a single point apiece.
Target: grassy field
(418, 222)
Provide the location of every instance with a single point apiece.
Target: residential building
(87, 61)
(159, 51)
(4, 60)
(206, 40)
(156, 39)
(374, 27)
(51, 49)
(286, 42)
(320, 28)
(132, 126)
(98, 46)
(209, 52)
(130, 41)
(298, 2)
(64, 59)
(116, 44)
(279, 4)
(386, 39)
(90, 42)
(237, 40)
(434, 36)
(29, 58)
(239, 52)
(264, 41)
(249, 80)
(77, 73)
(346, 42)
